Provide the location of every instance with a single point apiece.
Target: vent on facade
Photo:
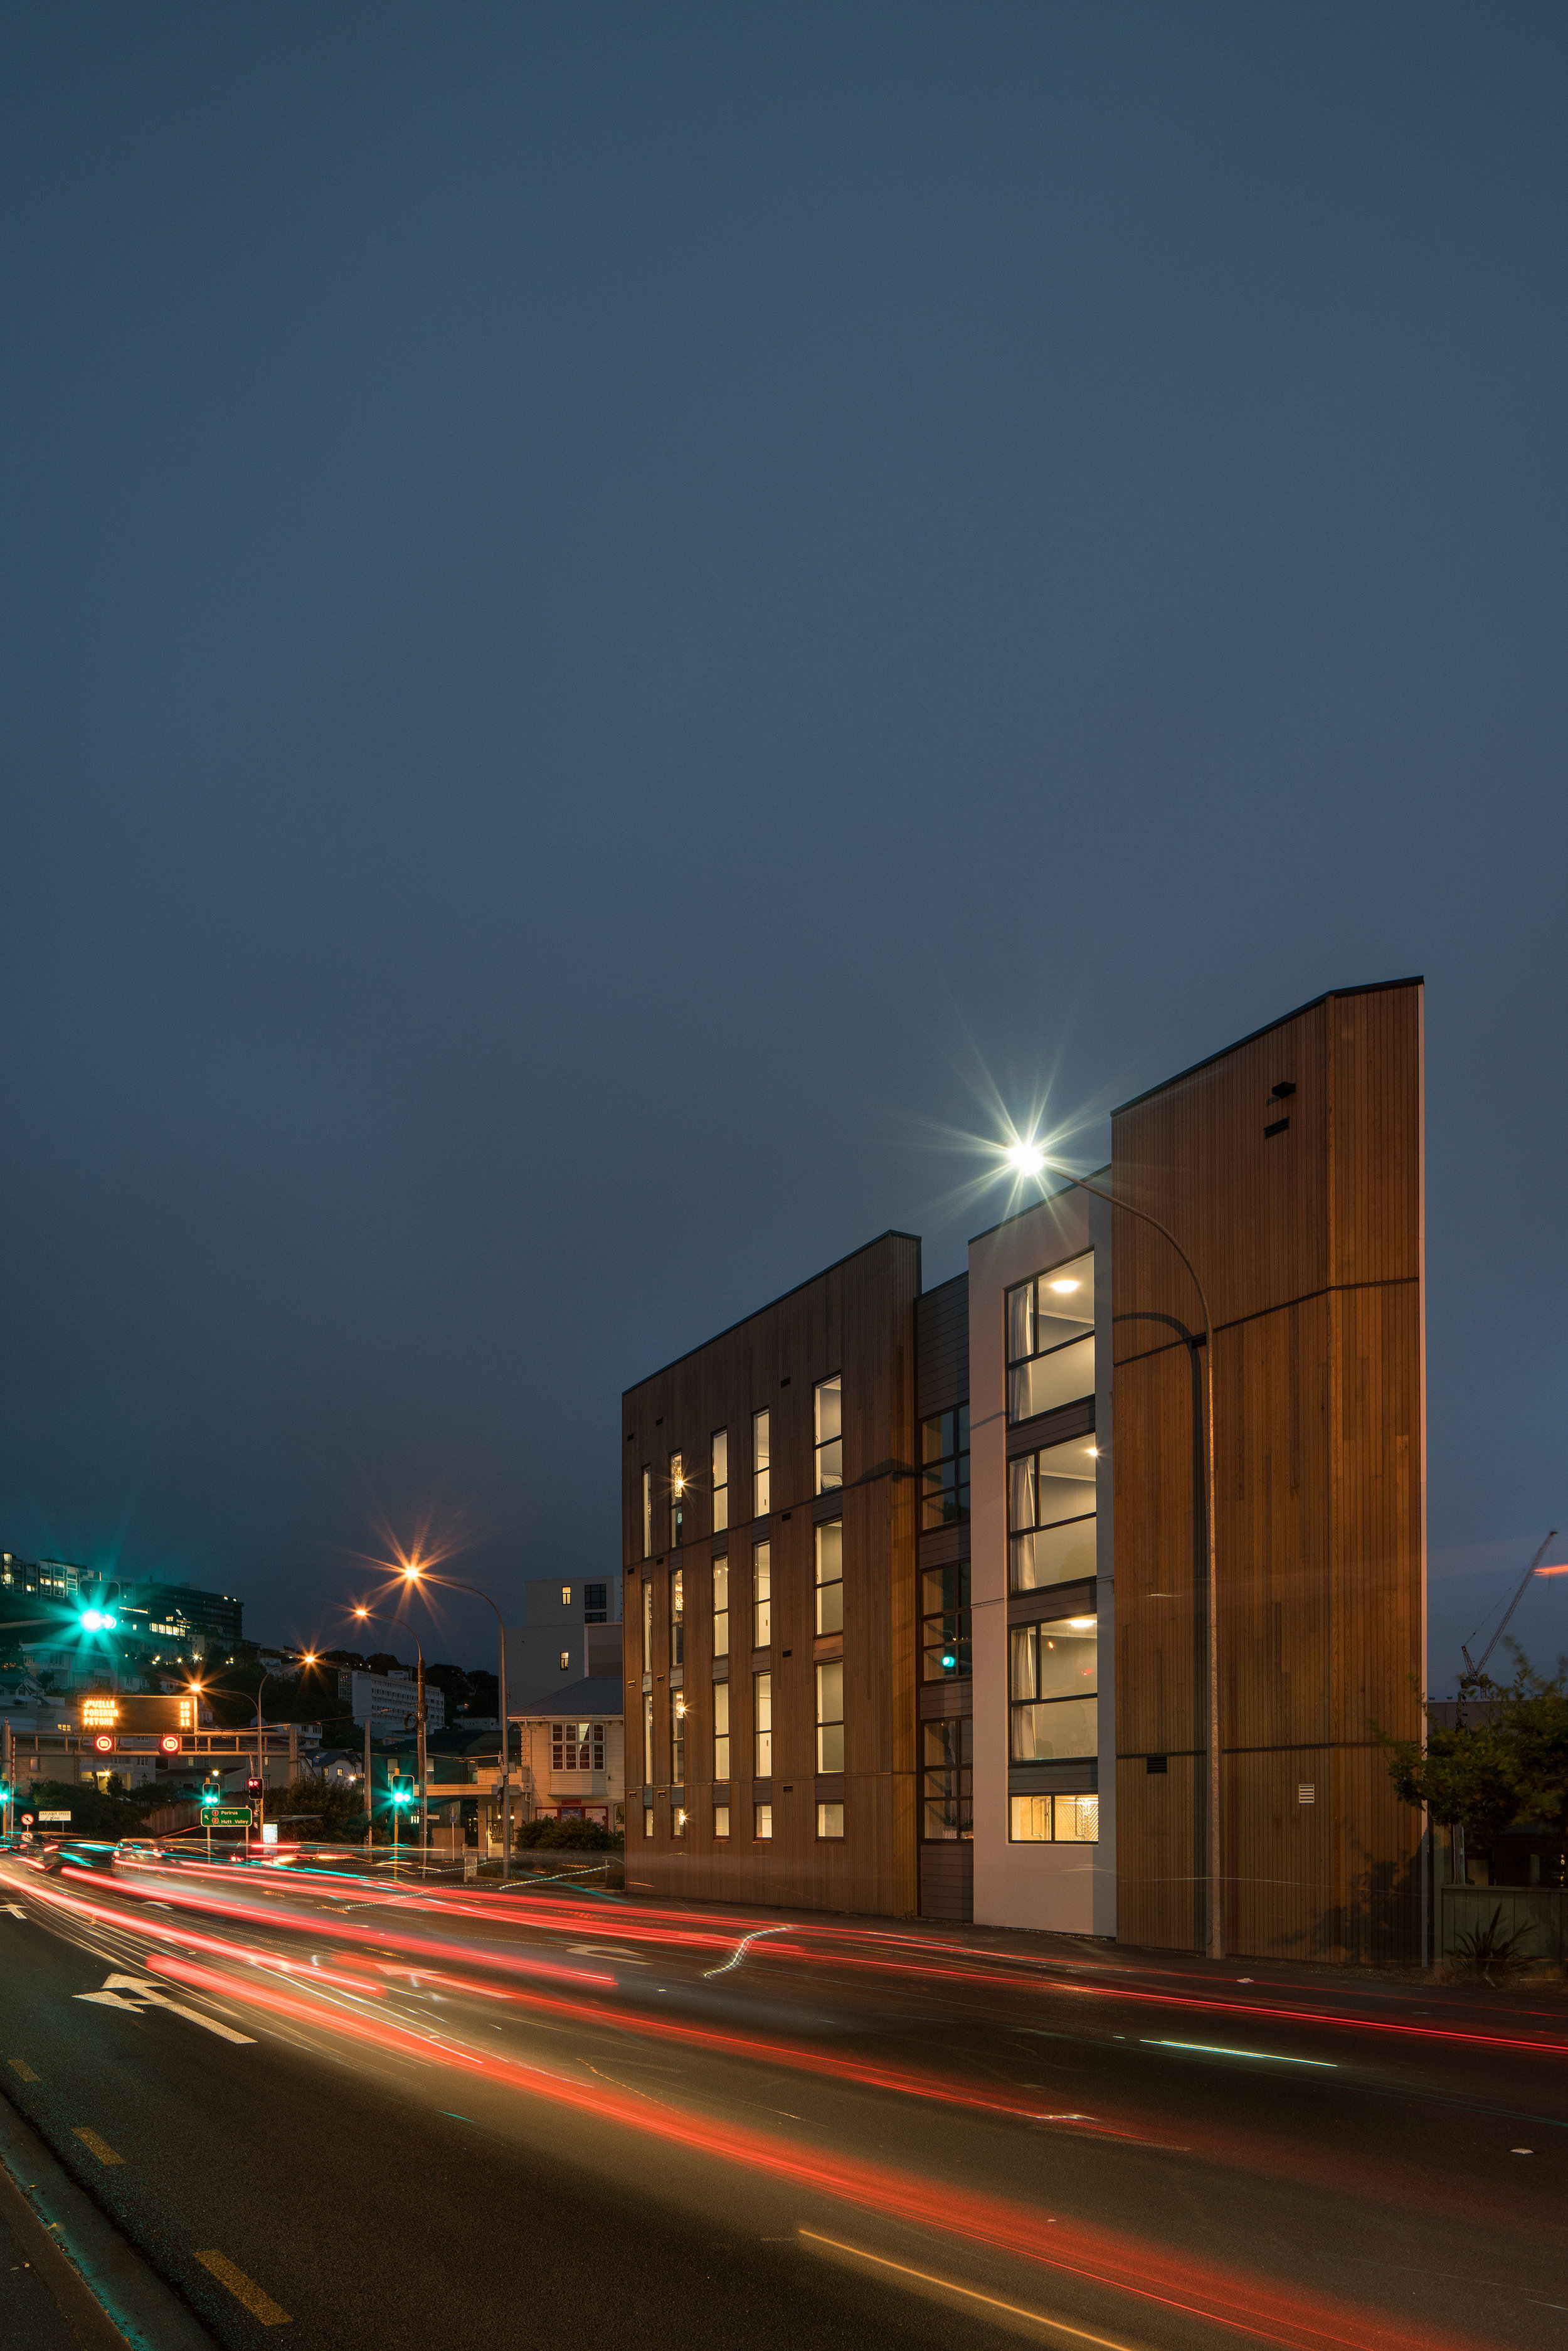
(1283, 1090)
(1306, 1793)
(785, 1381)
(1277, 1127)
(1154, 1762)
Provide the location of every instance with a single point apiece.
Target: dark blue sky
(612, 612)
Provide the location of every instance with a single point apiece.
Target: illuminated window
(828, 1432)
(647, 1514)
(647, 1624)
(831, 1576)
(648, 1816)
(1050, 1339)
(720, 1480)
(721, 1820)
(945, 1467)
(1053, 1677)
(829, 1820)
(677, 1500)
(947, 1800)
(566, 1595)
(678, 1740)
(565, 1661)
(762, 1726)
(721, 1605)
(830, 1716)
(944, 1623)
(761, 1486)
(577, 1747)
(1053, 1820)
(1052, 1515)
(721, 1731)
(761, 1595)
(678, 1820)
(762, 1820)
(648, 1748)
(677, 1616)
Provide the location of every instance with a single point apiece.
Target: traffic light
(211, 1797)
(97, 1620)
(253, 1789)
(401, 1795)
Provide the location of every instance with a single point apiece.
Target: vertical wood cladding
(942, 1347)
(857, 1319)
(1310, 1244)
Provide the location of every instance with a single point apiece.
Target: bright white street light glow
(1027, 1158)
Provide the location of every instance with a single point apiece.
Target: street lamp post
(365, 1616)
(1031, 1159)
(413, 1573)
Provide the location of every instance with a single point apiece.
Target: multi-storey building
(571, 1632)
(916, 1582)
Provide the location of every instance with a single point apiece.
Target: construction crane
(1475, 1669)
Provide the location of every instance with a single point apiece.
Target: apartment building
(916, 1582)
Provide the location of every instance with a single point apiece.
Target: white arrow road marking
(148, 1996)
(15, 1910)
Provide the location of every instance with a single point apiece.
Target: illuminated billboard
(128, 1715)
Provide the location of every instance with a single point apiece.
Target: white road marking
(15, 1910)
(148, 1996)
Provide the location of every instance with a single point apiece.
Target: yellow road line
(1014, 2309)
(95, 2145)
(260, 2305)
(19, 2065)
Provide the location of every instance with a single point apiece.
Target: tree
(316, 1807)
(1507, 1767)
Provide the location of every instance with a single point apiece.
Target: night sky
(621, 624)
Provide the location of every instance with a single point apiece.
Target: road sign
(52, 1816)
(229, 1816)
(27, 1820)
(137, 1713)
(170, 1743)
(103, 1744)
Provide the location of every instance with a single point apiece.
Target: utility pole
(370, 1799)
(423, 1829)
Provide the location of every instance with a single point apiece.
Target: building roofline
(893, 1233)
(1369, 987)
(1064, 1183)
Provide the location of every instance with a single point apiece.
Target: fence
(1536, 1912)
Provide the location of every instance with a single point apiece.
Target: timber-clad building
(916, 1599)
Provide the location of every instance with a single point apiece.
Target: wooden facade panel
(1311, 1259)
(942, 1347)
(1159, 1853)
(856, 1319)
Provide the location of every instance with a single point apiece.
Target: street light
(414, 1574)
(1029, 1159)
(366, 1617)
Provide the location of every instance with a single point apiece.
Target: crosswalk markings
(260, 2305)
(20, 2065)
(95, 2145)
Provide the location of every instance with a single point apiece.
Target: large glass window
(945, 1467)
(761, 1595)
(721, 1605)
(830, 1716)
(762, 1820)
(1053, 1679)
(677, 1500)
(677, 1616)
(721, 1820)
(829, 1820)
(761, 1456)
(831, 1576)
(678, 1740)
(647, 1512)
(947, 1798)
(1050, 1514)
(1050, 1339)
(720, 1480)
(648, 1747)
(828, 1431)
(1053, 1820)
(647, 1624)
(762, 1726)
(944, 1623)
(721, 1731)
(596, 1604)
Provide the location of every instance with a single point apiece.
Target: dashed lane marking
(20, 2065)
(245, 2290)
(95, 2145)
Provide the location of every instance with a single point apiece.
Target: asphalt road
(410, 2120)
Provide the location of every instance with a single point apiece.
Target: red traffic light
(253, 1787)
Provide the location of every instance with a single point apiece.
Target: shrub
(568, 1836)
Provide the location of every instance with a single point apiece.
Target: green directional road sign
(228, 1816)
